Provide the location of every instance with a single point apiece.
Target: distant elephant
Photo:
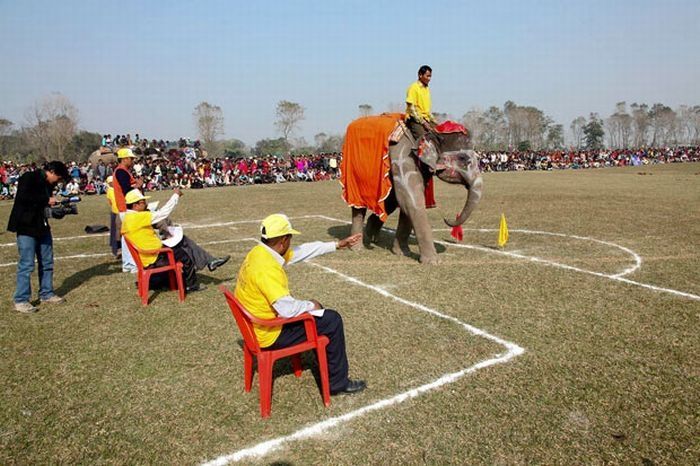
(455, 164)
(106, 157)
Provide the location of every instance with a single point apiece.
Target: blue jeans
(127, 261)
(42, 248)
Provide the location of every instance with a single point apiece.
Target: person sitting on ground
(72, 188)
(262, 289)
(137, 227)
(90, 188)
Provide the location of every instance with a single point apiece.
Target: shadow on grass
(482, 245)
(385, 241)
(161, 285)
(283, 367)
(81, 277)
(210, 281)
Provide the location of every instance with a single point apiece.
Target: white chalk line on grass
(627, 271)
(184, 225)
(63, 238)
(512, 349)
(102, 254)
(615, 277)
(313, 430)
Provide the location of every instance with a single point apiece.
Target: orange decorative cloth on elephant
(365, 168)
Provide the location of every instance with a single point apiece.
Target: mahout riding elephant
(452, 161)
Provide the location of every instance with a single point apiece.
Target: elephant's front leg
(403, 231)
(373, 229)
(358, 219)
(408, 184)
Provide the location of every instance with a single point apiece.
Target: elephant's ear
(428, 153)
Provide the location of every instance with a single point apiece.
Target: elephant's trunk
(473, 197)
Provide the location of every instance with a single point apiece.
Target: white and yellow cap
(276, 225)
(109, 179)
(125, 153)
(134, 196)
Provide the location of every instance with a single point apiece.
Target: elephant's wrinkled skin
(456, 164)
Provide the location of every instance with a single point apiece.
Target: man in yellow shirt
(419, 119)
(137, 227)
(115, 224)
(263, 289)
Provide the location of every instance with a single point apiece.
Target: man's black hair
(272, 241)
(424, 69)
(58, 168)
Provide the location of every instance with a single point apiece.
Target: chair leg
(172, 280)
(144, 288)
(296, 364)
(247, 368)
(323, 373)
(180, 284)
(265, 378)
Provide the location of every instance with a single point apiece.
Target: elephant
(455, 163)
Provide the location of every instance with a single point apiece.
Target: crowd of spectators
(183, 164)
(577, 159)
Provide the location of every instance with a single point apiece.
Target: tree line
(51, 131)
(525, 127)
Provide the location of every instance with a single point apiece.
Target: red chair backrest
(243, 321)
(134, 253)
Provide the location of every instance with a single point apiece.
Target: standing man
(419, 119)
(115, 224)
(123, 182)
(262, 288)
(30, 221)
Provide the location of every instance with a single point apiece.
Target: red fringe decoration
(457, 232)
(430, 194)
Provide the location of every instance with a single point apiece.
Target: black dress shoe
(197, 287)
(353, 386)
(216, 263)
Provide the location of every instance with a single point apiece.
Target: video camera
(63, 207)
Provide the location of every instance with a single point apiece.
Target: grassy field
(609, 372)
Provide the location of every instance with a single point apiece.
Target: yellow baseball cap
(109, 179)
(276, 225)
(125, 153)
(134, 196)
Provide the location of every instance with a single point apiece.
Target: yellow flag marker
(502, 232)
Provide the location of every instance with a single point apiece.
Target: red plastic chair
(144, 274)
(267, 358)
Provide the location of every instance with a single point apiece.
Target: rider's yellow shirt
(419, 96)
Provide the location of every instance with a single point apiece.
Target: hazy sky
(142, 66)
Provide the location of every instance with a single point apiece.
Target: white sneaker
(25, 308)
(55, 299)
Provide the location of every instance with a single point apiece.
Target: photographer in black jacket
(29, 220)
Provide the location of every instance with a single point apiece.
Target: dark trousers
(417, 130)
(330, 325)
(115, 241)
(199, 257)
(189, 274)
